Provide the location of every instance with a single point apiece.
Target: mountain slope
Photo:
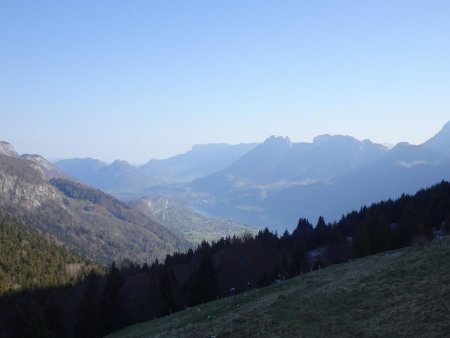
(405, 169)
(90, 221)
(30, 260)
(50, 170)
(400, 293)
(200, 161)
(115, 230)
(441, 141)
(193, 226)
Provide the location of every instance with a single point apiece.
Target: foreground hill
(191, 225)
(403, 293)
(90, 221)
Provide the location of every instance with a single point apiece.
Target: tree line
(103, 303)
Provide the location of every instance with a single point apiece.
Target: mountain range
(268, 184)
(85, 219)
(127, 181)
(278, 181)
(328, 177)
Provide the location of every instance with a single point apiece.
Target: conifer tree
(88, 309)
(361, 242)
(111, 307)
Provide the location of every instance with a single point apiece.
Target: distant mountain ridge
(278, 160)
(121, 178)
(240, 192)
(441, 141)
(198, 162)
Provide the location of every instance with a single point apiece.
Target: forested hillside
(102, 304)
(30, 260)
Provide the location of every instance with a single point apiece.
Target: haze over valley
(275, 182)
(224, 168)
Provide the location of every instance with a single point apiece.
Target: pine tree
(381, 234)
(111, 307)
(168, 285)
(203, 285)
(87, 317)
(298, 261)
(361, 242)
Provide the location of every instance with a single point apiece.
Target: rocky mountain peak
(120, 164)
(43, 165)
(278, 141)
(7, 149)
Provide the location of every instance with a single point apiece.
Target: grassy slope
(402, 293)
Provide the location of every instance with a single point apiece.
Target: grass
(404, 293)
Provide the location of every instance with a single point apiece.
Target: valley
(225, 169)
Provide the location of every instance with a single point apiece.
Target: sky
(136, 80)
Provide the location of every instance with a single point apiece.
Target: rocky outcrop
(23, 184)
(49, 170)
(7, 149)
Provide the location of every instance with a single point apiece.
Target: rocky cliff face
(49, 170)
(22, 184)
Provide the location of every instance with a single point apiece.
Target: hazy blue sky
(142, 79)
